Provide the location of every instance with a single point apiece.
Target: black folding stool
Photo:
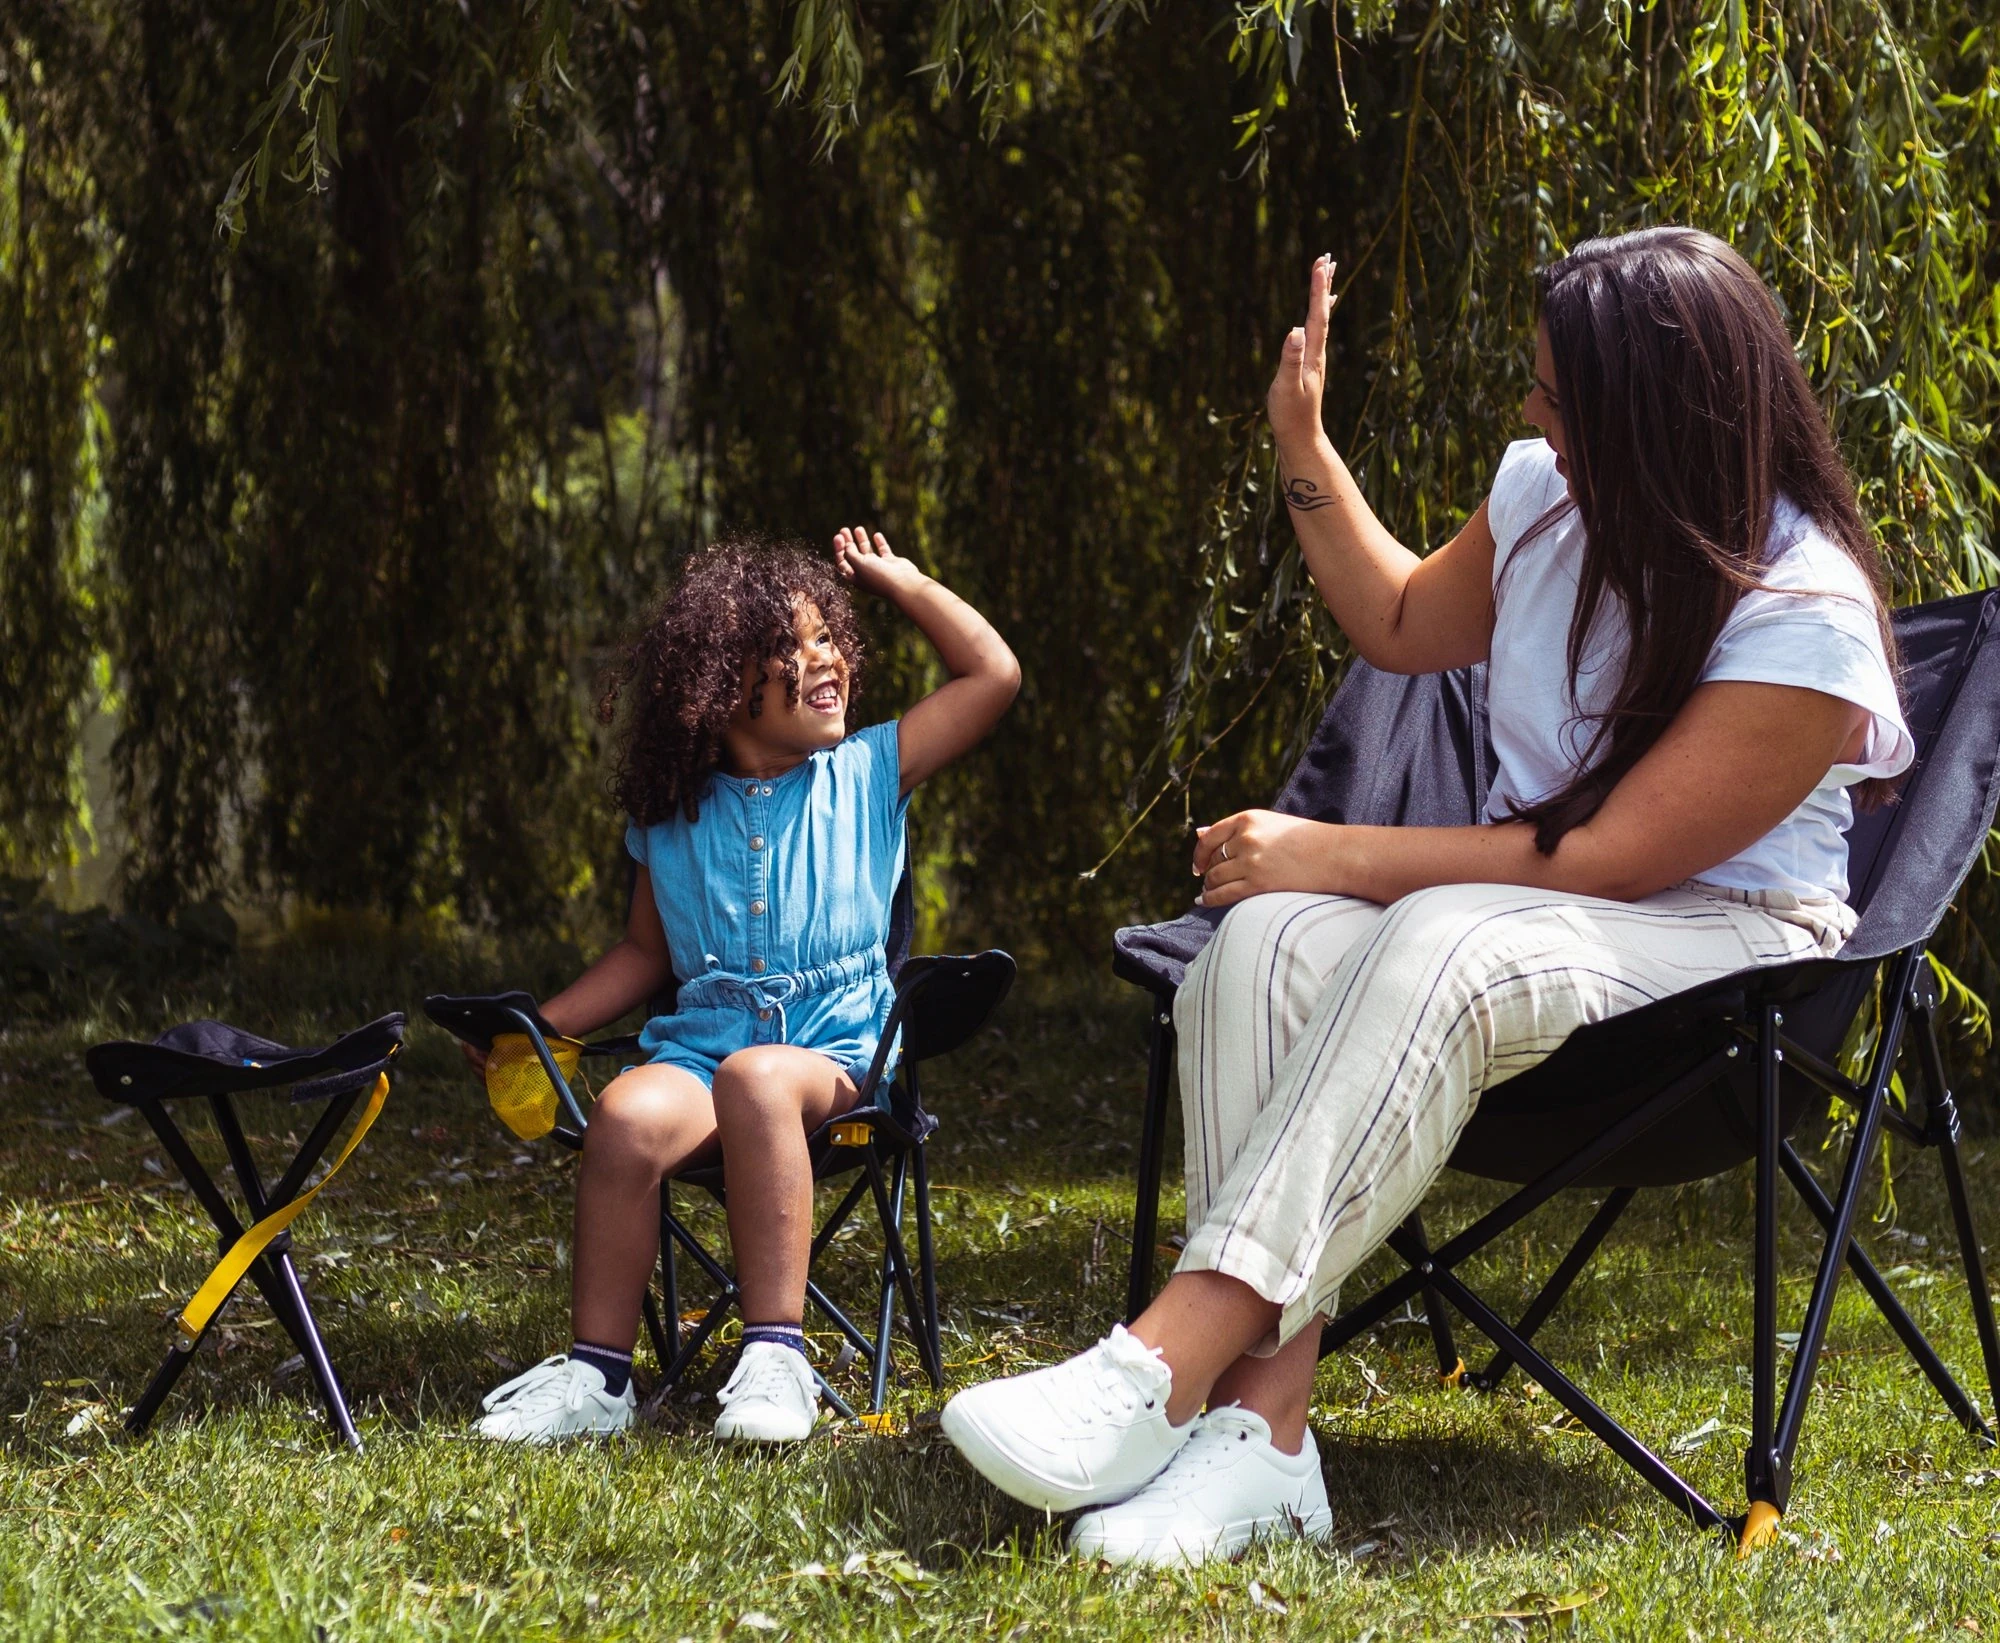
(941, 1002)
(1735, 1064)
(215, 1062)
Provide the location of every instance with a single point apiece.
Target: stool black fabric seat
(215, 1062)
(1690, 1086)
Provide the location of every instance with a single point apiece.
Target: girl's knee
(762, 1078)
(634, 1116)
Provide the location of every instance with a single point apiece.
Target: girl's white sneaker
(561, 1397)
(1228, 1485)
(1091, 1429)
(771, 1398)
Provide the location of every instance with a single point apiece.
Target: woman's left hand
(1258, 850)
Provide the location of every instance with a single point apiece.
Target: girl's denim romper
(776, 907)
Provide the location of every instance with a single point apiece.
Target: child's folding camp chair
(940, 1004)
(215, 1062)
(1734, 1065)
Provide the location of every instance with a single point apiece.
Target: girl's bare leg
(649, 1122)
(767, 1100)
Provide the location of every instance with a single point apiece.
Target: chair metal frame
(1752, 1022)
(885, 1142)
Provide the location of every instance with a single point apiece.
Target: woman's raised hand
(1293, 404)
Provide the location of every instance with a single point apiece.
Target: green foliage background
(365, 364)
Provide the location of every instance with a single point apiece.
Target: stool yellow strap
(228, 1273)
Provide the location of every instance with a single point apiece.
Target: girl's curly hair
(681, 678)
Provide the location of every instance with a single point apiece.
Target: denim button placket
(754, 823)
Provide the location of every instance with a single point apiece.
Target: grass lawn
(438, 1265)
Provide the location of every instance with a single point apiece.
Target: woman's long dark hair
(1687, 417)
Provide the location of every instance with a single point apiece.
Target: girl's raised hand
(1293, 404)
(871, 563)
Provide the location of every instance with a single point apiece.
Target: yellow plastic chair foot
(1760, 1527)
(1456, 1377)
(851, 1134)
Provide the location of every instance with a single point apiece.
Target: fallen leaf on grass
(1557, 1611)
(90, 1418)
(886, 1573)
(1816, 1547)
(1270, 1602)
(1688, 1442)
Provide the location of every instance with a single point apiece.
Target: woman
(1689, 669)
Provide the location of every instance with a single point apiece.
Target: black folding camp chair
(941, 1002)
(215, 1062)
(1735, 1064)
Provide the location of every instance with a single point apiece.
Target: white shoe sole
(553, 1437)
(990, 1458)
(729, 1432)
(1175, 1552)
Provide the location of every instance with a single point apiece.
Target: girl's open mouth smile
(824, 698)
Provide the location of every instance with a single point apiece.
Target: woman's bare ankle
(1201, 1323)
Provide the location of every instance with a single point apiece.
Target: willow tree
(510, 304)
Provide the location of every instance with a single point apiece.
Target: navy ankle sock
(792, 1335)
(614, 1366)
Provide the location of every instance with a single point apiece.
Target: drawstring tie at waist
(719, 990)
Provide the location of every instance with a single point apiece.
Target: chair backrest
(1409, 750)
(1396, 750)
(1906, 860)
(1414, 752)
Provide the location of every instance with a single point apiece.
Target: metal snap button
(756, 841)
(757, 966)
(767, 792)
(757, 909)
(763, 1015)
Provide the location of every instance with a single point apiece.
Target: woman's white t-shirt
(1813, 625)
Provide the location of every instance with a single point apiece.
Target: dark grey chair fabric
(1392, 750)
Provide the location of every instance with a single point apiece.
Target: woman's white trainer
(1227, 1486)
(1088, 1430)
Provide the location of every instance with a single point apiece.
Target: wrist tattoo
(1303, 495)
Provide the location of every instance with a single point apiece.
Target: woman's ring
(1222, 852)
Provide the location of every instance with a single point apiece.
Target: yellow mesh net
(518, 1087)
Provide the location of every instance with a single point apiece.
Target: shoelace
(758, 1376)
(1111, 1389)
(551, 1384)
(1208, 1445)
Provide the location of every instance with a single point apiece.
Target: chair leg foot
(1760, 1528)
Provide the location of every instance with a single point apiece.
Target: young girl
(769, 844)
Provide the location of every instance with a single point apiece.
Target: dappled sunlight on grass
(438, 1265)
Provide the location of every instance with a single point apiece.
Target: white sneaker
(561, 1397)
(1228, 1485)
(1092, 1429)
(771, 1398)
